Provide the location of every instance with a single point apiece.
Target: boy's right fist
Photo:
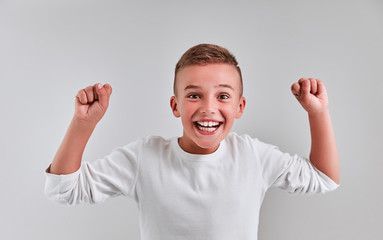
(92, 103)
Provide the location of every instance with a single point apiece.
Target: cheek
(229, 114)
(189, 108)
(187, 112)
(230, 110)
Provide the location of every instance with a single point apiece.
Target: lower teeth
(207, 129)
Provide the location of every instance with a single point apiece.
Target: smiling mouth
(207, 126)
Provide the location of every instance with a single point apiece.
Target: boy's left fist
(311, 94)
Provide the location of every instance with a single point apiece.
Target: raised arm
(90, 106)
(312, 95)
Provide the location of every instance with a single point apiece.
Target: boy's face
(207, 100)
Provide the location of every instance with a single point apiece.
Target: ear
(241, 107)
(174, 106)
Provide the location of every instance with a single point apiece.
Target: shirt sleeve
(293, 173)
(97, 180)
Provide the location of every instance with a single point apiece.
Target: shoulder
(151, 139)
(245, 141)
(150, 142)
(157, 140)
(142, 146)
(241, 142)
(238, 139)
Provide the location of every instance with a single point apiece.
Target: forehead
(209, 75)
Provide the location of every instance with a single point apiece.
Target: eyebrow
(197, 87)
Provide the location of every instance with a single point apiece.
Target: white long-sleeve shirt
(187, 196)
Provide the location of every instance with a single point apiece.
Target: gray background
(51, 49)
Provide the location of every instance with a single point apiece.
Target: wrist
(319, 113)
(82, 125)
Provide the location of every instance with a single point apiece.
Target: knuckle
(89, 90)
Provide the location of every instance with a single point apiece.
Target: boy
(209, 183)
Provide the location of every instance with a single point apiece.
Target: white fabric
(186, 196)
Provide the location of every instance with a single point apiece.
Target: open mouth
(208, 126)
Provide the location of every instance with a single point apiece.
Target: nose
(208, 106)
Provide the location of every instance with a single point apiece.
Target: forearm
(68, 157)
(324, 152)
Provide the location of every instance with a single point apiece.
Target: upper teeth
(208, 124)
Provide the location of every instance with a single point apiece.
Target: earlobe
(241, 107)
(174, 106)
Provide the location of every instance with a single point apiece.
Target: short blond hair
(203, 54)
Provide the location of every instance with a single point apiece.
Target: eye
(223, 96)
(193, 96)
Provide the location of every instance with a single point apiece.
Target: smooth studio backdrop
(51, 49)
